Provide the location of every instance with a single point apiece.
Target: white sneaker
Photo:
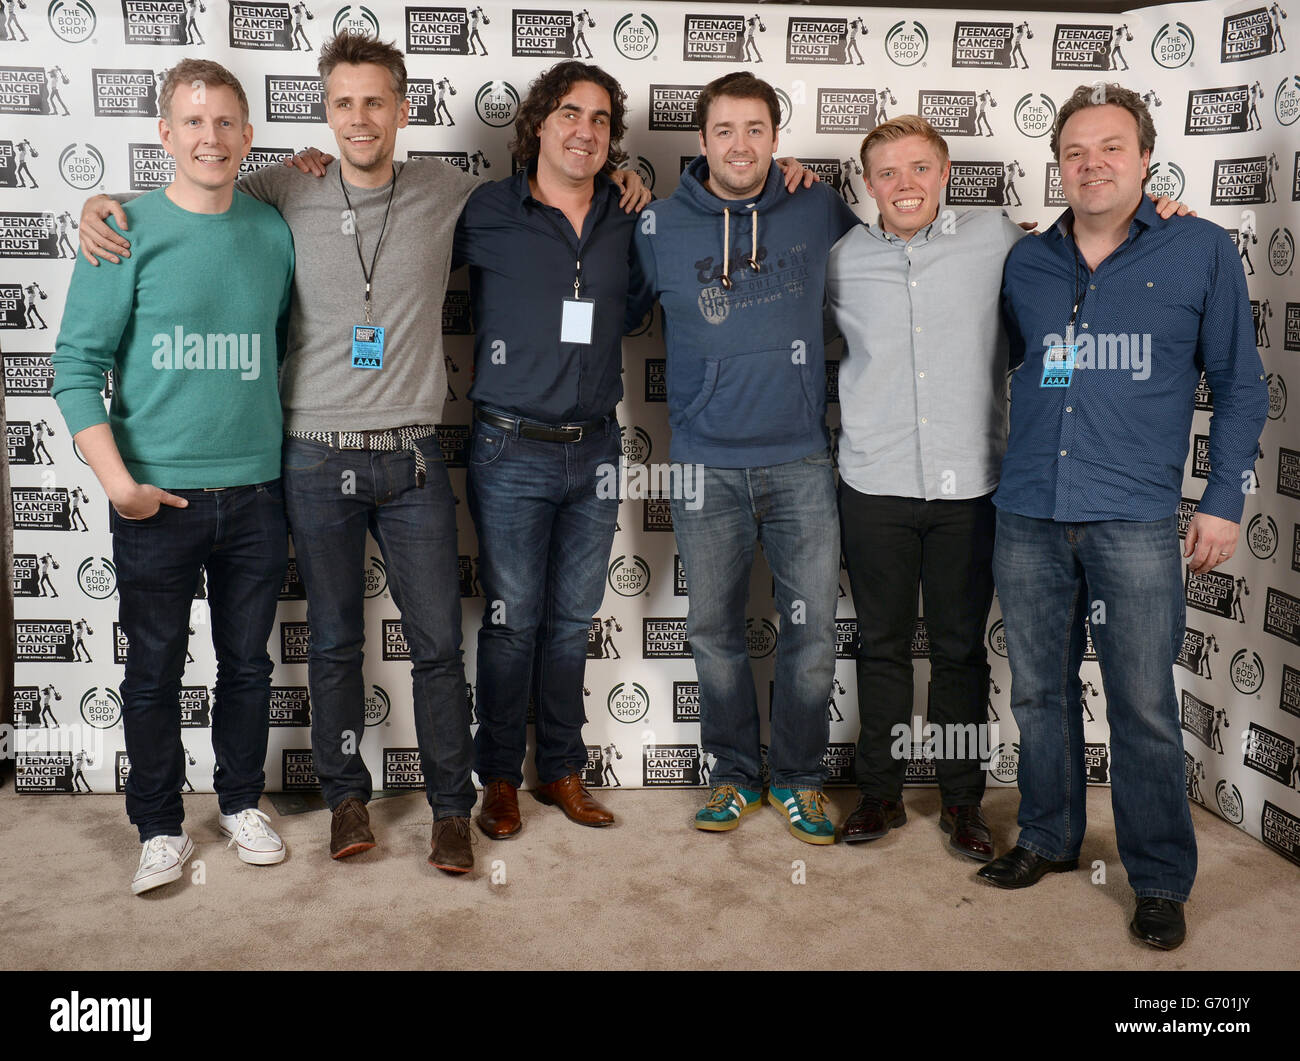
(259, 845)
(162, 861)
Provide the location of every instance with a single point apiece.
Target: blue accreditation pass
(367, 346)
(1058, 365)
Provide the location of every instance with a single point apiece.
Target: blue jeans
(790, 509)
(544, 538)
(332, 498)
(238, 536)
(1050, 576)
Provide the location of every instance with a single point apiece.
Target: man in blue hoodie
(739, 267)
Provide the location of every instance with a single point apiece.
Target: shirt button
(1092, 287)
(1062, 453)
(1150, 284)
(1069, 408)
(913, 283)
(924, 420)
(918, 327)
(921, 374)
(1085, 324)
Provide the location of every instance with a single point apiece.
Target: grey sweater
(319, 388)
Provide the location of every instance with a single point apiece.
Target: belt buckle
(577, 428)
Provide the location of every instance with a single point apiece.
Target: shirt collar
(525, 193)
(931, 231)
(1146, 217)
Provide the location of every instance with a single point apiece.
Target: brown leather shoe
(572, 797)
(350, 829)
(499, 818)
(970, 832)
(451, 845)
(872, 818)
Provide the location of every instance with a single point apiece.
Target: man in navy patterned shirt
(1112, 315)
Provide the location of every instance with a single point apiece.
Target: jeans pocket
(487, 446)
(302, 456)
(117, 520)
(271, 491)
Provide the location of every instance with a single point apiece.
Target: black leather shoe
(873, 818)
(1159, 923)
(970, 832)
(1019, 868)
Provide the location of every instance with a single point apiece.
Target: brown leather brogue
(451, 846)
(572, 797)
(499, 818)
(350, 829)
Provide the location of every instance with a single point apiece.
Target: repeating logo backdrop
(78, 92)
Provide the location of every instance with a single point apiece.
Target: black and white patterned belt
(388, 440)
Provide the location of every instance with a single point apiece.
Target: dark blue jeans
(332, 498)
(789, 509)
(1050, 576)
(544, 537)
(238, 535)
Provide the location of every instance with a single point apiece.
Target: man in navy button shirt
(1112, 316)
(550, 272)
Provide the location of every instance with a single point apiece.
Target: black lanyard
(577, 274)
(356, 232)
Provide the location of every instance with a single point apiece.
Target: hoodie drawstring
(726, 246)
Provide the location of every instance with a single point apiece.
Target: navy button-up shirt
(522, 257)
(1169, 302)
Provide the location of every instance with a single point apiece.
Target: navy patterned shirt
(1109, 438)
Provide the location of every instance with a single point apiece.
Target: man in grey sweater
(363, 386)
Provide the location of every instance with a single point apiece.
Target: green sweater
(193, 326)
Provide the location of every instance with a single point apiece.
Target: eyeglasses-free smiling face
(1102, 169)
(739, 142)
(573, 140)
(906, 178)
(365, 114)
(209, 137)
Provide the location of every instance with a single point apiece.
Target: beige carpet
(650, 893)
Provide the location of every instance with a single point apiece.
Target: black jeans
(238, 535)
(892, 544)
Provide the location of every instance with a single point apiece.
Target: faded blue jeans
(1049, 577)
(790, 509)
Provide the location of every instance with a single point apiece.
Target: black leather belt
(540, 432)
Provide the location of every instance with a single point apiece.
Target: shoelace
(722, 795)
(460, 826)
(155, 848)
(250, 823)
(810, 802)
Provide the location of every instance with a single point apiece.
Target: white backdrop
(78, 93)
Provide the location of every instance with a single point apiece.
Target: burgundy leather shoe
(970, 832)
(499, 818)
(872, 818)
(572, 797)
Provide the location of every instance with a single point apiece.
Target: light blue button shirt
(922, 381)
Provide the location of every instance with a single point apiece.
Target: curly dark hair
(544, 96)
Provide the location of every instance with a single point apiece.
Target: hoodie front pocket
(750, 399)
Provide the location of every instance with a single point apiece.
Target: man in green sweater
(192, 327)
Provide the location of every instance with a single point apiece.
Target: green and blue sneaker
(805, 809)
(727, 805)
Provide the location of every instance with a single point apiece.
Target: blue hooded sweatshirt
(746, 365)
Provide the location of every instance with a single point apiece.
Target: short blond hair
(899, 128)
(188, 72)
